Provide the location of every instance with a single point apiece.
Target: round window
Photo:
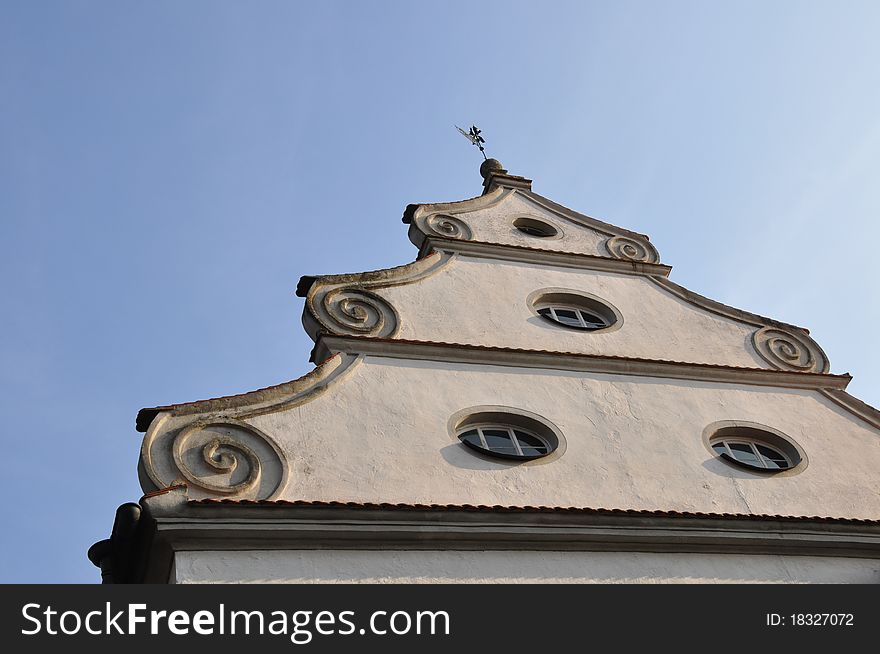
(506, 433)
(570, 316)
(536, 228)
(505, 441)
(575, 311)
(755, 449)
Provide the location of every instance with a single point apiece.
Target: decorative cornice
(518, 253)
(344, 304)
(854, 405)
(459, 206)
(720, 309)
(787, 350)
(630, 249)
(583, 219)
(210, 447)
(543, 359)
(258, 402)
(621, 243)
(224, 457)
(176, 524)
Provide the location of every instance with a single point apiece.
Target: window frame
(753, 445)
(578, 311)
(543, 228)
(511, 431)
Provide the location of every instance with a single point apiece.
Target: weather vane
(474, 137)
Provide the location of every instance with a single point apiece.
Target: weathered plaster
(657, 324)
(341, 566)
(494, 223)
(631, 442)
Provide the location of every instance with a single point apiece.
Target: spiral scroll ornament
(630, 249)
(225, 459)
(447, 226)
(357, 311)
(788, 351)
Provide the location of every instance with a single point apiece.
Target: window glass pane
(743, 452)
(498, 440)
(773, 458)
(568, 317)
(471, 437)
(530, 445)
(769, 453)
(545, 312)
(719, 447)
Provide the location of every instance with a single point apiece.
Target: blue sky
(168, 170)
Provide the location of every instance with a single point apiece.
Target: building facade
(531, 400)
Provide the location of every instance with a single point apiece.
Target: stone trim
(718, 308)
(211, 454)
(415, 212)
(344, 304)
(173, 524)
(583, 219)
(510, 357)
(854, 405)
(265, 400)
(521, 254)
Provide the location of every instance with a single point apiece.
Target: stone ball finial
(490, 166)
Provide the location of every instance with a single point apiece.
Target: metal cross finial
(474, 137)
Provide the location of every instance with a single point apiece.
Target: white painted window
(573, 317)
(752, 453)
(505, 441)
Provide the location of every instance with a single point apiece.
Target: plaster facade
(440, 567)
(655, 324)
(405, 354)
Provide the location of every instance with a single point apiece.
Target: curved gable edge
(209, 446)
(853, 405)
(344, 304)
(257, 402)
(415, 215)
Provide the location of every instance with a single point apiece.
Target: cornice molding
(720, 309)
(447, 220)
(171, 524)
(258, 402)
(542, 359)
(210, 445)
(344, 304)
(520, 254)
(854, 405)
(583, 219)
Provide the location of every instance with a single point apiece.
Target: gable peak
(495, 175)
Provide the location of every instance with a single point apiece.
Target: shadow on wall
(466, 458)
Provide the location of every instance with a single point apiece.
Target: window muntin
(574, 317)
(505, 441)
(752, 453)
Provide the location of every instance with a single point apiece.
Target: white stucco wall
(494, 224)
(347, 566)
(381, 435)
(484, 302)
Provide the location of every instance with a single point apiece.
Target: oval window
(536, 228)
(574, 311)
(755, 449)
(505, 441)
(507, 433)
